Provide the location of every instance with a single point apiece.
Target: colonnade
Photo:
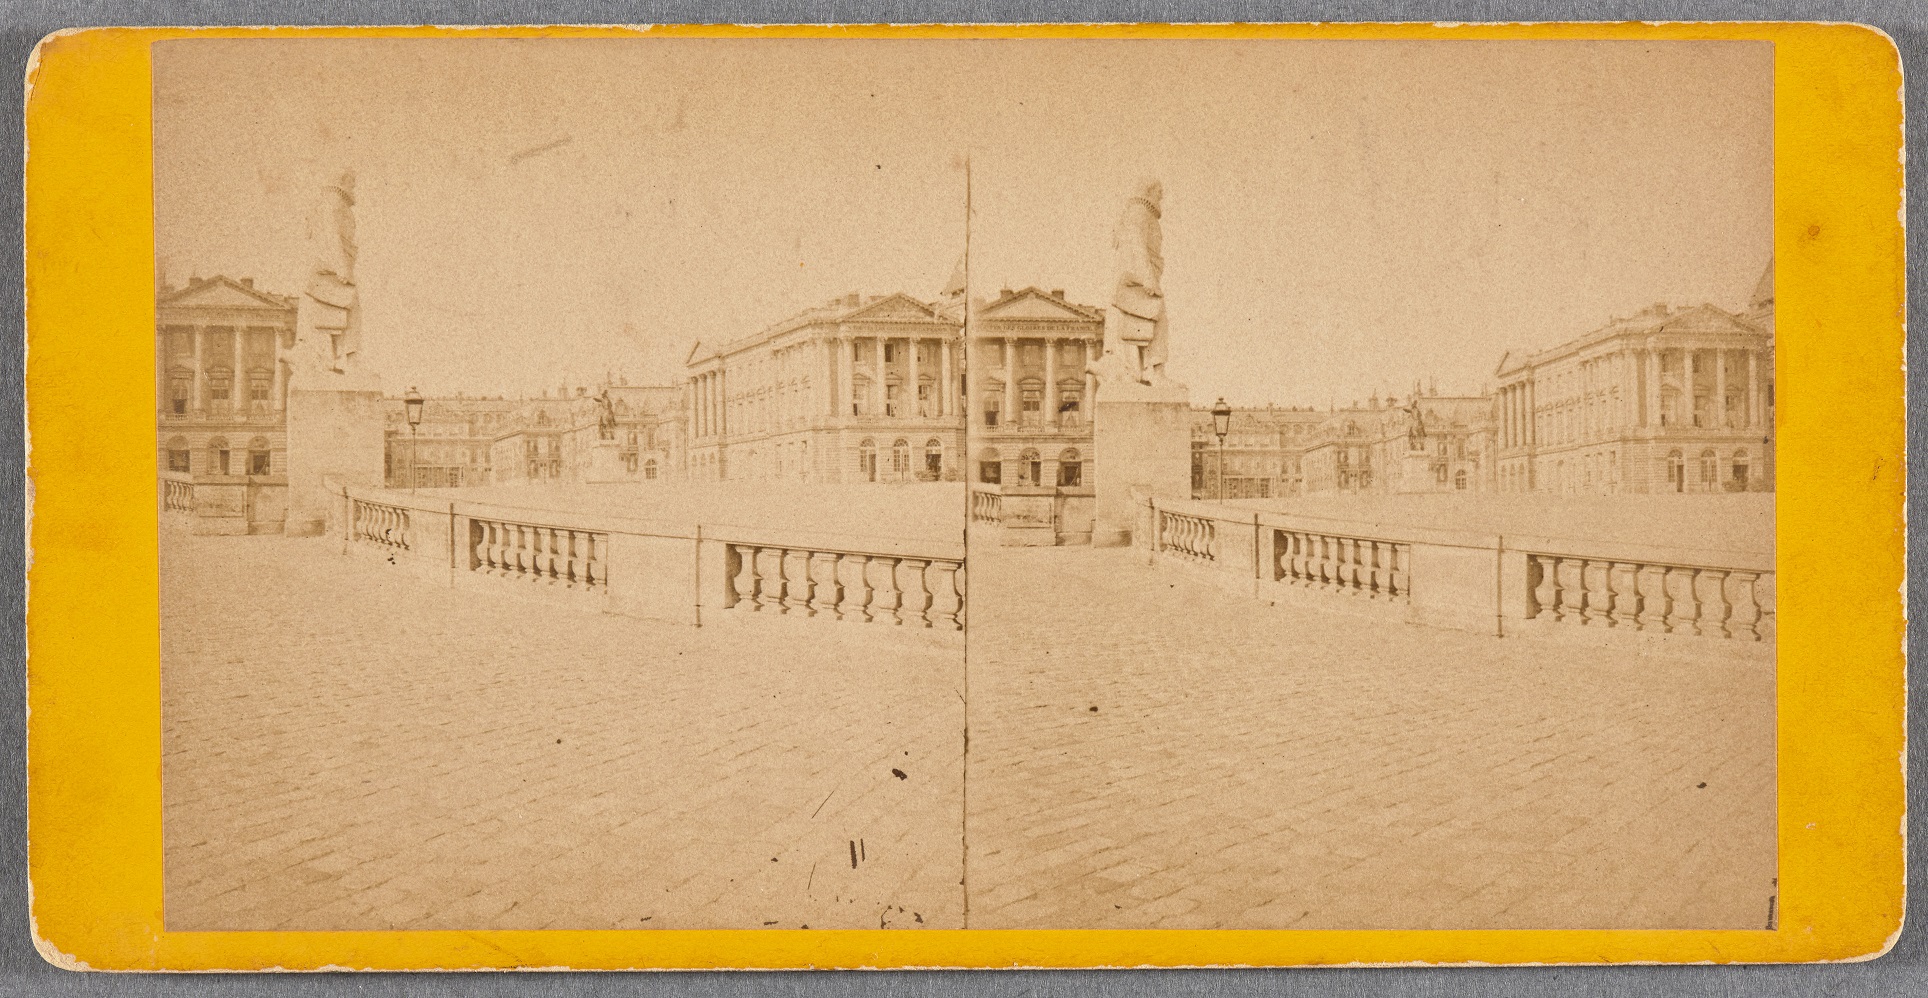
(1598, 396)
(1006, 375)
(202, 361)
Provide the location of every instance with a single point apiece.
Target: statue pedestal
(1416, 472)
(334, 436)
(605, 463)
(1142, 439)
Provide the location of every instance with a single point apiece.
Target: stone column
(1653, 387)
(1050, 403)
(1693, 393)
(1754, 417)
(198, 403)
(944, 388)
(278, 388)
(846, 370)
(879, 388)
(1007, 411)
(910, 378)
(238, 402)
(1720, 388)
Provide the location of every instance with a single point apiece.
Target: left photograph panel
(561, 514)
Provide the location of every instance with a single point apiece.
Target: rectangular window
(1071, 473)
(1069, 404)
(221, 461)
(177, 460)
(178, 390)
(993, 404)
(1031, 405)
(258, 389)
(990, 472)
(890, 352)
(257, 462)
(218, 389)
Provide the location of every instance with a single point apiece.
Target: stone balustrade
(377, 523)
(1701, 600)
(844, 585)
(1511, 586)
(987, 506)
(700, 575)
(177, 495)
(535, 552)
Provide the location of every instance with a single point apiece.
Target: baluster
(1397, 577)
(870, 591)
(1724, 610)
(921, 597)
(1588, 593)
(810, 583)
(782, 599)
(1669, 583)
(836, 585)
(732, 567)
(1549, 591)
(754, 563)
(958, 589)
(1699, 607)
(1747, 621)
(1376, 575)
(1643, 590)
(894, 599)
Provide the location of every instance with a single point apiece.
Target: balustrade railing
(177, 497)
(844, 585)
(564, 557)
(380, 524)
(1194, 538)
(986, 507)
(1641, 596)
(1361, 566)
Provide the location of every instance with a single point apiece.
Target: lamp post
(1221, 424)
(412, 404)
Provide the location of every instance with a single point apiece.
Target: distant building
(866, 388)
(452, 446)
(557, 438)
(221, 379)
(1667, 400)
(1430, 443)
(1263, 452)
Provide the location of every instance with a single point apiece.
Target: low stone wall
(695, 574)
(1507, 585)
(224, 504)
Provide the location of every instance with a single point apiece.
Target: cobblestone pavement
(345, 748)
(1148, 750)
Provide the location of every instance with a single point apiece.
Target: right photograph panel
(1371, 461)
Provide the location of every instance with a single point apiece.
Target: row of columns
(202, 355)
(845, 363)
(1007, 374)
(709, 404)
(1521, 413)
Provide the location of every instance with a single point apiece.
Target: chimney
(248, 282)
(1004, 292)
(1057, 293)
(853, 299)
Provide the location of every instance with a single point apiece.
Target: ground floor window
(1070, 469)
(867, 460)
(990, 472)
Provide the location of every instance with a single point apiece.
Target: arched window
(218, 456)
(933, 459)
(1070, 468)
(1741, 469)
(990, 468)
(900, 458)
(542, 417)
(178, 455)
(1030, 467)
(1676, 470)
(258, 456)
(1459, 480)
(1709, 468)
(867, 460)
(649, 469)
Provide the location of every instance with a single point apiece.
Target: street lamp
(412, 403)
(1221, 424)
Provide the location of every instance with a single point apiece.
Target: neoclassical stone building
(865, 388)
(1030, 417)
(221, 382)
(1667, 400)
(1374, 449)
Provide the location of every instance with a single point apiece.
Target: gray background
(23, 22)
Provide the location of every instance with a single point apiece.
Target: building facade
(1428, 444)
(451, 448)
(221, 382)
(862, 389)
(1030, 419)
(1263, 453)
(1667, 400)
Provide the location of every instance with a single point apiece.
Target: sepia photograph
(1016, 483)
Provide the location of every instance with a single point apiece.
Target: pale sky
(1340, 217)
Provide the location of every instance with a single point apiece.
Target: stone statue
(605, 417)
(329, 321)
(1135, 325)
(1415, 426)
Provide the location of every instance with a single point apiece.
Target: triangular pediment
(1032, 303)
(892, 308)
(1705, 319)
(221, 292)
